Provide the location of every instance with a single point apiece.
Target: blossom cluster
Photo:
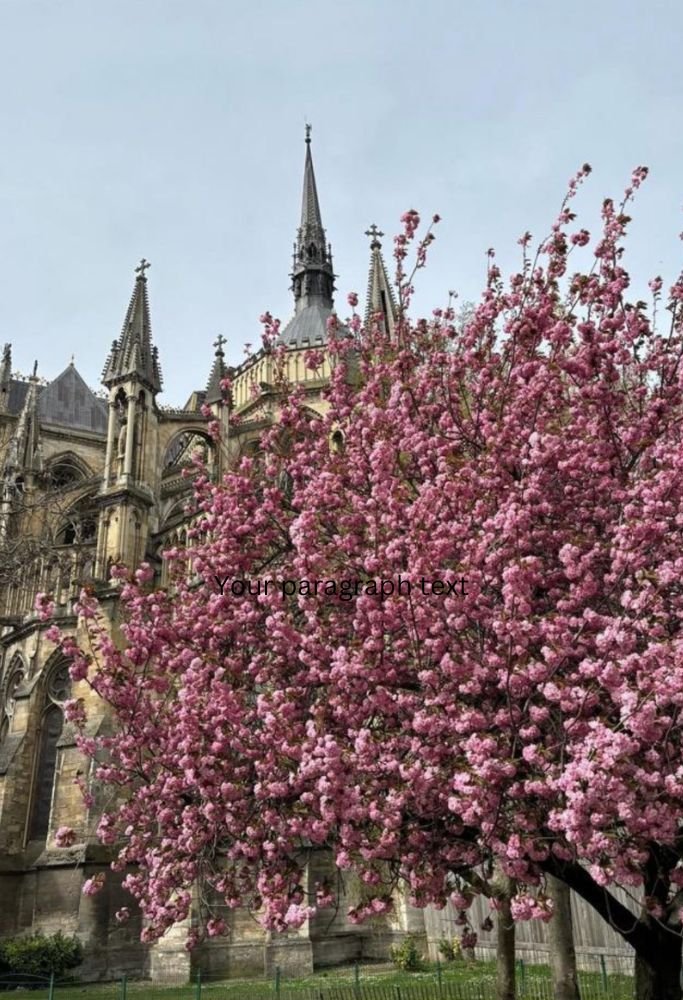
(532, 722)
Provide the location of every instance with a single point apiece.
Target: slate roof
(307, 328)
(68, 402)
(17, 394)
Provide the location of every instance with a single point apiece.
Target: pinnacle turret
(5, 377)
(219, 371)
(132, 355)
(24, 453)
(380, 297)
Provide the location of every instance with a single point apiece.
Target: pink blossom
(528, 724)
(65, 836)
(93, 885)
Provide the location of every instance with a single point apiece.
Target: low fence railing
(440, 982)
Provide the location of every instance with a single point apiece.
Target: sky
(174, 130)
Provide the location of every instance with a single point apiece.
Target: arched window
(15, 676)
(80, 527)
(66, 471)
(57, 690)
(64, 475)
(184, 446)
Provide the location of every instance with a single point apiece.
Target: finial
(73, 360)
(308, 133)
(218, 343)
(376, 234)
(141, 268)
(34, 373)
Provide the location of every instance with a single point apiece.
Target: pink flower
(65, 836)
(93, 885)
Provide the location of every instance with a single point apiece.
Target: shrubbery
(450, 950)
(406, 956)
(40, 955)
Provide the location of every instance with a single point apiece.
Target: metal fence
(441, 983)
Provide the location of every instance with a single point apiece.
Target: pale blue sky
(174, 129)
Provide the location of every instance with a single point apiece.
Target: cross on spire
(308, 132)
(375, 233)
(142, 267)
(218, 343)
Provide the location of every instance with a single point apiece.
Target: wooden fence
(597, 944)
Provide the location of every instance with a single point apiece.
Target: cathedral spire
(380, 298)
(133, 356)
(312, 274)
(311, 219)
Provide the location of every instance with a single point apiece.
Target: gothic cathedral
(90, 480)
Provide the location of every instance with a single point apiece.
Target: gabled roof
(68, 402)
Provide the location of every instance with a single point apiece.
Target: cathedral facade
(90, 480)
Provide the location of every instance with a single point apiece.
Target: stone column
(130, 437)
(111, 434)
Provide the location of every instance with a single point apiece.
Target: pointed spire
(380, 298)
(219, 371)
(312, 273)
(5, 376)
(311, 219)
(24, 453)
(133, 356)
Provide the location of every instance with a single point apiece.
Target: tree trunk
(561, 940)
(505, 948)
(660, 980)
(658, 950)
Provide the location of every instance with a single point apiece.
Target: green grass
(460, 980)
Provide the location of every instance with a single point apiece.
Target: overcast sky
(174, 129)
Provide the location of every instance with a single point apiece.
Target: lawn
(456, 981)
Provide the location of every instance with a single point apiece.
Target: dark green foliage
(39, 955)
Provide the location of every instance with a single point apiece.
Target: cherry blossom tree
(437, 629)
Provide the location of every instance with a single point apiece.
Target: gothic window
(64, 475)
(57, 690)
(183, 447)
(15, 676)
(59, 684)
(78, 531)
(80, 528)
